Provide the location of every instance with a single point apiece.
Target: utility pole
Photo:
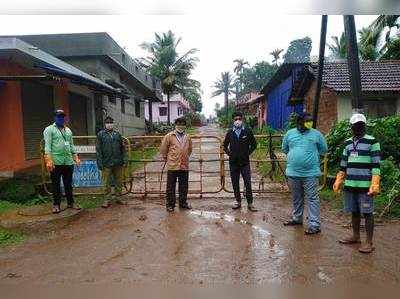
(353, 63)
(321, 59)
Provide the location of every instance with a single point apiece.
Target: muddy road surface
(141, 242)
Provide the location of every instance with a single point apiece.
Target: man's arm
(253, 142)
(47, 141)
(285, 144)
(164, 147)
(322, 146)
(376, 158)
(99, 152)
(226, 143)
(190, 146)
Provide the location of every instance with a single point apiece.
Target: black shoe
(312, 231)
(236, 206)
(292, 223)
(170, 209)
(185, 207)
(252, 208)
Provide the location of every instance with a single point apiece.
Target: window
(112, 99)
(162, 111)
(122, 105)
(180, 111)
(380, 107)
(137, 108)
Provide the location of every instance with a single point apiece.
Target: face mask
(237, 123)
(358, 129)
(180, 129)
(60, 121)
(308, 124)
(109, 126)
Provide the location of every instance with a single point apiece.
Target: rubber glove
(77, 160)
(49, 163)
(339, 181)
(375, 186)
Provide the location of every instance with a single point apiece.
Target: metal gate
(145, 174)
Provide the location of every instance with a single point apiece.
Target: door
(37, 113)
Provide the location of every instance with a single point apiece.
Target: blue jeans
(305, 189)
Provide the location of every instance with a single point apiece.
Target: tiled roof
(375, 76)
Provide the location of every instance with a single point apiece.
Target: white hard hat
(357, 117)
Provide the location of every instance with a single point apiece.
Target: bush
(19, 190)
(385, 130)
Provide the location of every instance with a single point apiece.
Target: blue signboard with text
(87, 174)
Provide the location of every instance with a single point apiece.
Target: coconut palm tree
(165, 63)
(276, 55)
(338, 47)
(368, 44)
(225, 86)
(385, 21)
(240, 65)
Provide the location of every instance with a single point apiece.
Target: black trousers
(183, 179)
(236, 171)
(65, 172)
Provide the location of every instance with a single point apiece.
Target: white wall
(156, 116)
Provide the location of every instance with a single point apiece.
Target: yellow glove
(339, 181)
(49, 163)
(375, 186)
(77, 160)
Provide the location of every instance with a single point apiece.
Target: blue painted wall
(278, 110)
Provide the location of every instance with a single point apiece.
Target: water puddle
(266, 239)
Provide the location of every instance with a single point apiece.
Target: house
(292, 89)
(253, 103)
(179, 106)
(99, 55)
(33, 84)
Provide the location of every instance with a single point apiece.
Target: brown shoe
(366, 248)
(236, 206)
(252, 208)
(350, 240)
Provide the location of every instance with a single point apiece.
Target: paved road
(141, 242)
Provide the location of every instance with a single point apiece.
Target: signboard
(85, 149)
(87, 174)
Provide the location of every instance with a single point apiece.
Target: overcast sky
(220, 38)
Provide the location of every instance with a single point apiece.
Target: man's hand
(77, 160)
(375, 186)
(49, 163)
(339, 181)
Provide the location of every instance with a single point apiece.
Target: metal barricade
(145, 174)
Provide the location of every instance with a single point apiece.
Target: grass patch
(89, 202)
(147, 153)
(7, 206)
(264, 168)
(335, 200)
(8, 238)
(192, 130)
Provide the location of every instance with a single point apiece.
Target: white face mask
(109, 126)
(237, 123)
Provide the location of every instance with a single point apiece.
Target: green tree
(255, 78)
(240, 66)
(392, 50)
(276, 55)
(299, 51)
(193, 96)
(381, 23)
(338, 47)
(164, 62)
(224, 86)
(368, 44)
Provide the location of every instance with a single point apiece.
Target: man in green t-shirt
(60, 156)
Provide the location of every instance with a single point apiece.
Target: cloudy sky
(220, 37)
